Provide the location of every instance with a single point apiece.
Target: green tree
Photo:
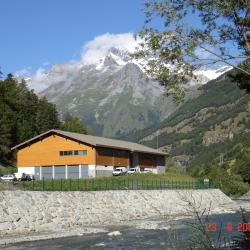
(27, 106)
(8, 106)
(47, 116)
(74, 124)
(23, 115)
(242, 79)
(228, 183)
(242, 166)
(189, 29)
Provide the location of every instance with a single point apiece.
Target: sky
(40, 33)
(37, 34)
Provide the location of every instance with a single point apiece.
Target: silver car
(8, 177)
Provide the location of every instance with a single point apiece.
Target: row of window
(73, 152)
(110, 152)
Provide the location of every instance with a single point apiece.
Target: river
(178, 236)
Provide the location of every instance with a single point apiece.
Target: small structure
(59, 154)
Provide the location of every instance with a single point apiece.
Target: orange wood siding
(121, 158)
(147, 160)
(112, 157)
(104, 157)
(46, 152)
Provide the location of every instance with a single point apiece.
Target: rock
(100, 245)
(5, 226)
(57, 211)
(115, 233)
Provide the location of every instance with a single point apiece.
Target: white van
(134, 170)
(119, 171)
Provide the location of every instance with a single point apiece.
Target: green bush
(242, 166)
(230, 184)
(8, 170)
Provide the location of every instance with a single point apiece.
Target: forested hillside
(24, 115)
(216, 117)
(209, 135)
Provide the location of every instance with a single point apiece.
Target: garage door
(85, 171)
(37, 173)
(73, 172)
(47, 172)
(60, 172)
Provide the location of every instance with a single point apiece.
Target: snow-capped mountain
(213, 72)
(112, 95)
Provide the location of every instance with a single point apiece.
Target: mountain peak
(122, 53)
(110, 62)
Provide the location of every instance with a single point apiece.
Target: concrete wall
(92, 171)
(104, 171)
(26, 211)
(161, 169)
(26, 170)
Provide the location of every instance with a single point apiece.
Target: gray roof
(97, 141)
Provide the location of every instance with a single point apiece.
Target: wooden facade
(112, 157)
(147, 160)
(46, 152)
(81, 156)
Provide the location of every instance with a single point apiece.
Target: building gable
(52, 150)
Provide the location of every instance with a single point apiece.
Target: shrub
(230, 184)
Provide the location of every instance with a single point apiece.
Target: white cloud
(58, 72)
(92, 52)
(25, 72)
(39, 81)
(97, 48)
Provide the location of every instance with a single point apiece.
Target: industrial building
(59, 154)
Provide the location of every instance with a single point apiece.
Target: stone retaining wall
(30, 211)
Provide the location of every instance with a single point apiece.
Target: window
(105, 152)
(82, 152)
(73, 152)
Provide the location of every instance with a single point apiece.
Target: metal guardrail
(108, 184)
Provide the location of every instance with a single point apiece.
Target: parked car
(27, 177)
(18, 176)
(119, 171)
(147, 171)
(8, 177)
(133, 170)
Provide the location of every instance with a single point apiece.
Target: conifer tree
(74, 124)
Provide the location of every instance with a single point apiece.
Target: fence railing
(108, 184)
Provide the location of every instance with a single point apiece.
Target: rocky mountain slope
(114, 96)
(205, 126)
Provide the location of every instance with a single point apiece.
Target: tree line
(24, 115)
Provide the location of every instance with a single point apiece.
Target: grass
(172, 179)
(169, 180)
(6, 186)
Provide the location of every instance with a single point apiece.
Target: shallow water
(178, 236)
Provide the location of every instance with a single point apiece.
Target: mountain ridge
(204, 126)
(113, 96)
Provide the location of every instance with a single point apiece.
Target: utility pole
(221, 158)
